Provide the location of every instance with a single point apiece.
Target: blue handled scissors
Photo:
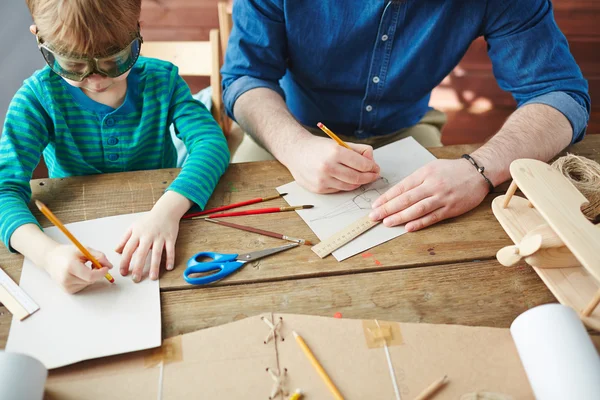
(223, 265)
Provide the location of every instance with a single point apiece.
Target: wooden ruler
(344, 236)
(15, 299)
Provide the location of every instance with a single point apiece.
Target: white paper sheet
(333, 212)
(558, 355)
(103, 319)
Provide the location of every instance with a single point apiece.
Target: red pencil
(254, 212)
(230, 206)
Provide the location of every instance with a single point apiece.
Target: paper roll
(21, 377)
(557, 353)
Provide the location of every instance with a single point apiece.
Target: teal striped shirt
(78, 136)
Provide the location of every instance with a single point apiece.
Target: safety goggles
(77, 68)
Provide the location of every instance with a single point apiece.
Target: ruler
(15, 299)
(344, 236)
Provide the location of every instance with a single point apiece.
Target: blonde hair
(86, 27)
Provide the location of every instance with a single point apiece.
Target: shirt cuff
(572, 110)
(241, 86)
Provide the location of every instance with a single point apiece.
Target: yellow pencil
(297, 395)
(333, 135)
(46, 211)
(334, 391)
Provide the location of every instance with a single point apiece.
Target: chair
(196, 58)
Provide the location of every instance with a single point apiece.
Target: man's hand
(439, 190)
(322, 166)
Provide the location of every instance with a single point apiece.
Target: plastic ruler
(344, 236)
(15, 299)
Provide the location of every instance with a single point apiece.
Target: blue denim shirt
(367, 67)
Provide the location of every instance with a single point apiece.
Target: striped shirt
(78, 136)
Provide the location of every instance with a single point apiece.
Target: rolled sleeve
(571, 109)
(242, 85)
(257, 49)
(531, 59)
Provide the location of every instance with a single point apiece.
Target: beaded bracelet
(480, 170)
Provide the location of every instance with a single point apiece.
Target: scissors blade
(255, 255)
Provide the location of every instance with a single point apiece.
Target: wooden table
(444, 274)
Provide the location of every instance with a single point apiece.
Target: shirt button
(369, 108)
(112, 141)
(109, 121)
(113, 157)
(384, 38)
(375, 79)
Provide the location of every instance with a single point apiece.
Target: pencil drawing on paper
(364, 196)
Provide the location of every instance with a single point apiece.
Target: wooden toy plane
(553, 236)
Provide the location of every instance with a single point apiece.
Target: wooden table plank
(475, 293)
(473, 236)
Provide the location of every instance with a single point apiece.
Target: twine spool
(584, 174)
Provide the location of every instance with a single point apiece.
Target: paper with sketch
(333, 212)
(102, 320)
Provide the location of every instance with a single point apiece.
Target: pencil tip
(307, 206)
(282, 194)
(308, 242)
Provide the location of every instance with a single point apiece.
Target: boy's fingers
(124, 240)
(128, 251)
(157, 250)
(87, 275)
(139, 260)
(98, 255)
(170, 250)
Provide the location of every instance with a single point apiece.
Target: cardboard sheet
(103, 319)
(333, 212)
(231, 361)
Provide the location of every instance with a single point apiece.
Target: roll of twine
(584, 174)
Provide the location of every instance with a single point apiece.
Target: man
(367, 68)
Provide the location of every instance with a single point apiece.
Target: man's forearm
(263, 114)
(534, 131)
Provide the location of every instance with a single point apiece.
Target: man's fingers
(157, 250)
(128, 251)
(414, 212)
(124, 240)
(355, 160)
(401, 203)
(429, 219)
(351, 176)
(406, 184)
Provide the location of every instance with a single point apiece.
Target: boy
(98, 108)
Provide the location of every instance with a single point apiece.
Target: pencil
(313, 360)
(297, 395)
(433, 388)
(260, 231)
(333, 135)
(233, 205)
(46, 211)
(254, 212)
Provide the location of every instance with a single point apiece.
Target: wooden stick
(433, 388)
(512, 189)
(46, 211)
(332, 135)
(234, 205)
(315, 363)
(260, 231)
(587, 311)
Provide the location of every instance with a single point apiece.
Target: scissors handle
(221, 266)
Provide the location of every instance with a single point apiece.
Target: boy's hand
(151, 234)
(67, 266)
